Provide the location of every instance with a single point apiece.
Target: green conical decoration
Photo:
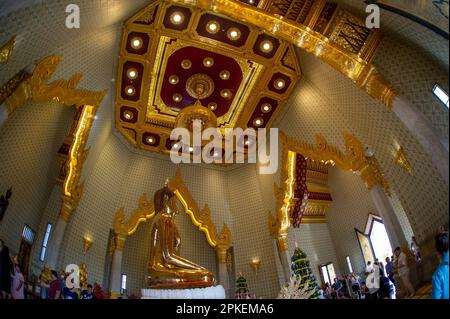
(303, 273)
(242, 291)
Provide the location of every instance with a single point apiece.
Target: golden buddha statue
(167, 269)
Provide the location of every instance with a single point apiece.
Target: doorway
(374, 243)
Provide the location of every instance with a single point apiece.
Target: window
(441, 94)
(123, 285)
(28, 234)
(328, 273)
(45, 242)
(349, 264)
(380, 240)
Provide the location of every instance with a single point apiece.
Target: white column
(425, 134)
(55, 242)
(116, 273)
(4, 113)
(285, 261)
(115, 280)
(223, 278)
(387, 213)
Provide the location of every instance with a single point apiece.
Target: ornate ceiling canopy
(172, 55)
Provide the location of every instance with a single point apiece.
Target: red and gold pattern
(300, 191)
(249, 73)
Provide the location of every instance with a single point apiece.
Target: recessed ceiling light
(266, 46)
(128, 115)
(132, 73)
(251, 1)
(212, 106)
(176, 17)
(177, 97)
(130, 90)
(225, 93)
(191, 149)
(266, 107)
(258, 121)
(224, 74)
(173, 79)
(136, 43)
(233, 33)
(247, 142)
(151, 140)
(208, 62)
(279, 84)
(186, 64)
(212, 27)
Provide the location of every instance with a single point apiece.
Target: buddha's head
(165, 200)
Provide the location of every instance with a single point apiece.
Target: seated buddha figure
(167, 269)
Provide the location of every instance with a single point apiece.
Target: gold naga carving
(200, 218)
(362, 73)
(7, 49)
(58, 91)
(354, 159)
(64, 92)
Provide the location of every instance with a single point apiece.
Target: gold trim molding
(200, 218)
(7, 49)
(361, 72)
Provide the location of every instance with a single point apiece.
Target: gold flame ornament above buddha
(167, 269)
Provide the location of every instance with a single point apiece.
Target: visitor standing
(440, 276)
(18, 284)
(403, 271)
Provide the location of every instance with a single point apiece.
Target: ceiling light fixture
(177, 97)
(212, 27)
(173, 79)
(128, 115)
(177, 18)
(233, 33)
(186, 64)
(258, 121)
(129, 90)
(132, 73)
(224, 74)
(208, 62)
(266, 107)
(266, 46)
(212, 106)
(136, 43)
(279, 84)
(226, 94)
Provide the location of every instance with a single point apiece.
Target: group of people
(57, 289)
(379, 282)
(13, 285)
(348, 287)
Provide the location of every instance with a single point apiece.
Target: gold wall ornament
(354, 158)
(83, 276)
(200, 218)
(87, 244)
(400, 159)
(255, 264)
(7, 49)
(360, 71)
(13, 85)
